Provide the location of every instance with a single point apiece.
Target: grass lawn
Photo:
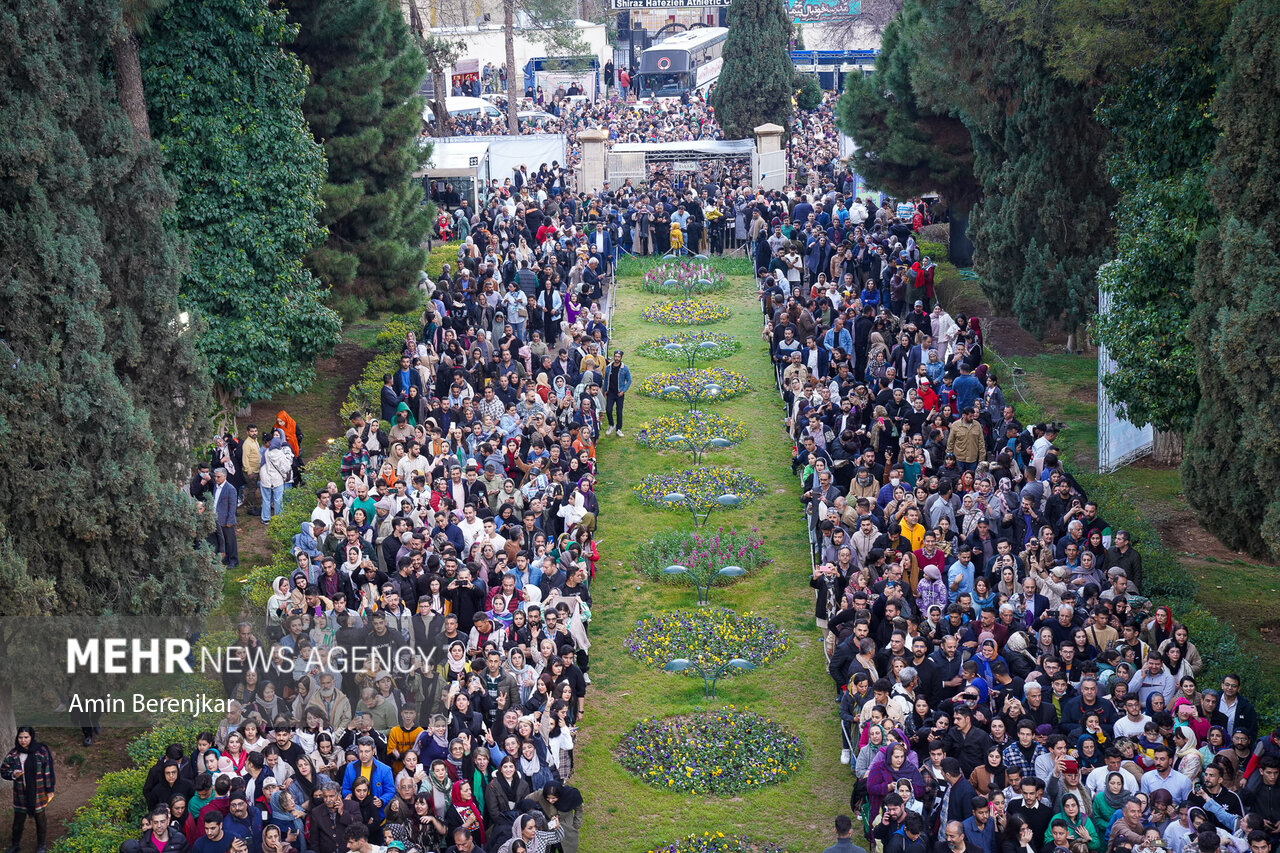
(623, 814)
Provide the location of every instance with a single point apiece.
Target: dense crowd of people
(1002, 685)
(718, 199)
(416, 682)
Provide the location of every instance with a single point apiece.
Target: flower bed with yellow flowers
(724, 752)
(720, 346)
(700, 486)
(718, 842)
(709, 636)
(698, 427)
(731, 382)
(686, 312)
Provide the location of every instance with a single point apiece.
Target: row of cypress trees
(171, 223)
(1134, 151)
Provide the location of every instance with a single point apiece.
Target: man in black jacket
(329, 819)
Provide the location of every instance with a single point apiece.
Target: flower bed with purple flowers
(724, 752)
(704, 552)
(689, 277)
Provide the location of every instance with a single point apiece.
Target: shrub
(445, 253)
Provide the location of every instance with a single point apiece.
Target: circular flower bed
(731, 382)
(689, 276)
(722, 345)
(709, 636)
(700, 486)
(714, 752)
(718, 842)
(698, 427)
(686, 312)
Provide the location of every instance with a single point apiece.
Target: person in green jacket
(1079, 827)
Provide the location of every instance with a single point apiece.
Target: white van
(465, 107)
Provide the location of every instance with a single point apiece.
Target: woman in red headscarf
(290, 427)
(465, 812)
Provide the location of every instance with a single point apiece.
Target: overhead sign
(617, 5)
(822, 10)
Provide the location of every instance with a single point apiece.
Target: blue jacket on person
(968, 389)
(381, 783)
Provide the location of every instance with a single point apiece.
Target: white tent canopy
(456, 158)
(705, 147)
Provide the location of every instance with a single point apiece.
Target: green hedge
(445, 253)
(112, 815)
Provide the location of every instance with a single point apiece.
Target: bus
(687, 62)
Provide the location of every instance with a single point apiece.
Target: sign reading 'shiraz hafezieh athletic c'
(665, 4)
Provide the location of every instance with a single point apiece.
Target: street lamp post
(688, 285)
(676, 499)
(693, 395)
(697, 447)
(703, 583)
(690, 349)
(710, 675)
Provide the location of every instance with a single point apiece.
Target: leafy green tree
(903, 147)
(1043, 226)
(225, 102)
(99, 379)
(1231, 471)
(755, 84)
(361, 105)
(1160, 119)
(808, 91)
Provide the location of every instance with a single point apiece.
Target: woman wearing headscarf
(557, 800)
(29, 766)
(893, 763)
(1108, 801)
(1080, 829)
(990, 775)
(464, 812)
(275, 469)
(1187, 760)
(289, 427)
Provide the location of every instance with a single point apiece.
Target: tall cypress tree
(755, 84)
(903, 146)
(1043, 226)
(361, 105)
(1231, 470)
(99, 379)
(225, 102)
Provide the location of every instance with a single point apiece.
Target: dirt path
(77, 768)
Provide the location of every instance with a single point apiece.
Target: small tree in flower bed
(690, 277)
(703, 553)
